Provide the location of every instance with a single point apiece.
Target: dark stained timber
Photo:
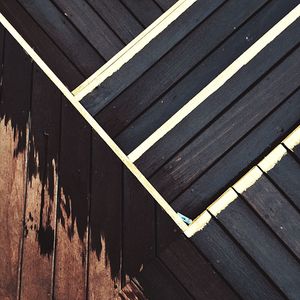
(263, 246)
(233, 263)
(277, 212)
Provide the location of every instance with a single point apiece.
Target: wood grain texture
(234, 265)
(70, 41)
(196, 79)
(138, 226)
(91, 26)
(42, 189)
(146, 11)
(263, 246)
(14, 106)
(44, 46)
(195, 272)
(72, 224)
(150, 54)
(105, 223)
(240, 158)
(188, 164)
(277, 212)
(286, 174)
(118, 17)
(156, 281)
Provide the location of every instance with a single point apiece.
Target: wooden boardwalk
(76, 223)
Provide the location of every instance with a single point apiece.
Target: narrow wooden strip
(136, 45)
(214, 85)
(93, 123)
(273, 158)
(293, 139)
(14, 128)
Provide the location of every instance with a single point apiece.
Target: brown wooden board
(42, 188)
(233, 264)
(207, 69)
(74, 190)
(263, 246)
(240, 158)
(14, 126)
(105, 222)
(44, 46)
(277, 212)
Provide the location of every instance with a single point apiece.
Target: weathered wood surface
(14, 126)
(42, 189)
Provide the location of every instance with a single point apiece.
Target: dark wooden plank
(104, 271)
(59, 28)
(44, 46)
(146, 11)
(233, 264)
(216, 104)
(74, 185)
(165, 4)
(184, 90)
(277, 212)
(14, 113)
(91, 26)
(118, 18)
(42, 188)
(263, 246)
(158, 283)
(188, 164)
(195, 272)
(138, 226)
(296, 151)
(150, 54)
(286, 174)
(239, 159)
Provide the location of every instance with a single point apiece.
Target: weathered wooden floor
(76, 224)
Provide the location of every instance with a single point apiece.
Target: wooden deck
(80, 224)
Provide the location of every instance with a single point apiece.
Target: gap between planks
(93, 123)
(245, 182)
(216, 83)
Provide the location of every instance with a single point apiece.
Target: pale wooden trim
(293, 139)
(215, 84)
(129, 51)
(93, 123)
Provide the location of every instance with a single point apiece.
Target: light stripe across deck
(215, 84)
(136, 45)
